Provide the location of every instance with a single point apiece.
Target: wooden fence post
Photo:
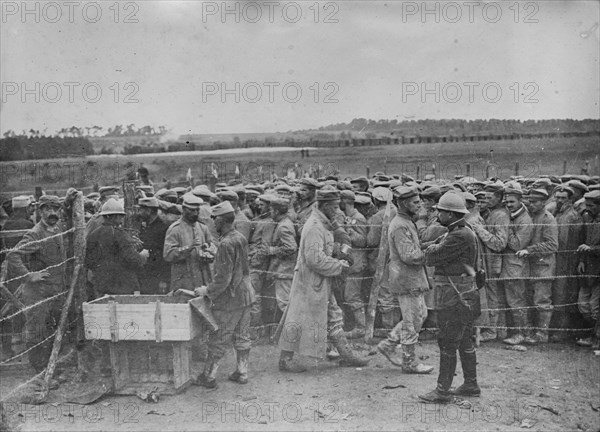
(129, 194)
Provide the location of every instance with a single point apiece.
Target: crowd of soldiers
(537, 241)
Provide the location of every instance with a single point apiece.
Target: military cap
(166, 193)
(469, 197)
(405, 192)
(267, 197)
(538, 194)
(361, 179)
(460, 186)
(21, 201)
(480, 194)
(593, 195)
(494, 187)
(179, 190)
(234, 182)
(108, 190)
(406, 178)
(362, 198)
(148, 202)
(432, 192)
(332, 183)
(93, 195)
(328, 193)
(192, 201)
(227, 194)
(222, 208)
(220, 185)
(381, 183)
(381, 177)
(332, 177)
(513, 188)
(543, 182)
(429, 177)
(49, 200)
(252, 193)
(446, 188)
(564, 188)
(280, 202)
(310, 182)
(112, 207)
(282, 187)
(395, 183)
(594, 187)
(202, 191)
(347, 195)
(257, 188)
(382, 194)
(576, 184)
(238, 188)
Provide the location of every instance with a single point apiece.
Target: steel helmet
(112, 207)
(452, 201)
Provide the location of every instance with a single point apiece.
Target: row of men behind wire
(531, 231)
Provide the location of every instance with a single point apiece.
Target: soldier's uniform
(188, 271)
(542, 262)
(156, 269)
(564, 290)
(514, 269)
(282, 251)
(232, 295)
(33, 254)
(494, 236)
(112, 257)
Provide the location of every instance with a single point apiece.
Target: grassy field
(495, 158)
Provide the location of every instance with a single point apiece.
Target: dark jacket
(156, 268)
(111, 255)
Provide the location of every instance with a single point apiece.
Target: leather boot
(447, 369)
(519, 320)
(544, 317)
(409, 361)
(208, 378)
(286, 363)
(468, 361)
(359, 325)
(241, 373)
(387, 347)
(348, 358)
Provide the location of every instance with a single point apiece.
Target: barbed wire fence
(15, 312)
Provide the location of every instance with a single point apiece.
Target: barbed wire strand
(32, 272)
(45, 239)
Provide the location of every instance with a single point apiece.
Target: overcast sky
(374, 62)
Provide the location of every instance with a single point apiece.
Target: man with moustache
(408, 281)
(188, 247)
(306, 202)
(32, 255)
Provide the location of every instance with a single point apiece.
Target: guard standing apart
(232, 296)
(457, 299)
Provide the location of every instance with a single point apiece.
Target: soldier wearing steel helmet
(454, 258)
(111, 253)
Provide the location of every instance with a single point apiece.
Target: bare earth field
(550, 388)
(534, 156)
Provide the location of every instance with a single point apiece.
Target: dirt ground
(548, 388)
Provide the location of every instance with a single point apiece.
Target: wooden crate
(140, 317)
(143, 366)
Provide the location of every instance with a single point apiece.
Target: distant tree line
(93, 131)
(23, 147)
(458, 127)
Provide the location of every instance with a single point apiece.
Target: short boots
(287, 364)
(241, 373)
(348, 358)
(436, 396)
(387, 347)
(518, 338)
(409, 361)
(359, 325)
(208, 378)
(469, 366)
(544, 317)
